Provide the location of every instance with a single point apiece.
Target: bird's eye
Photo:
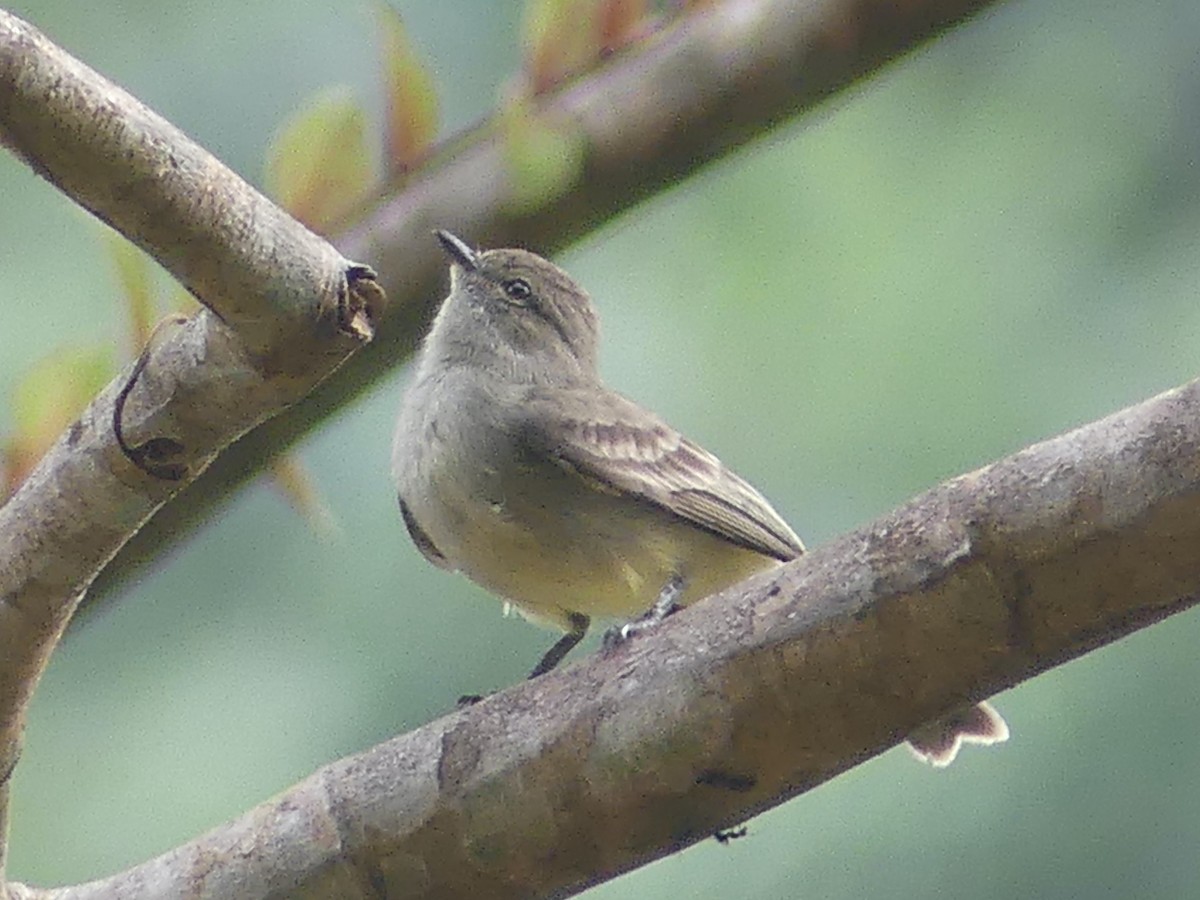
(518, 290)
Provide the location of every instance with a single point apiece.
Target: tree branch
(745, 700)
(267, 277)
(650, 118)
(284, 310)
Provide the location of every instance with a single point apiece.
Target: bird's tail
(938, 742)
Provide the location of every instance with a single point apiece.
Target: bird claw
(615, 637)
(666, 605)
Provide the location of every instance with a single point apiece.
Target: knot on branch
(360, 301)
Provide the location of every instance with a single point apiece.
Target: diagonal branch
(267, 277)
(742, 701)
(716, 80)
(284, 310)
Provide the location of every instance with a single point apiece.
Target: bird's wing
(618, 446)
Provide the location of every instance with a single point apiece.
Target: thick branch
(648, 119)
(275, 289)
(270, 279)
(745, 700)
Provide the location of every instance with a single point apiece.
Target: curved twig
(154, 456)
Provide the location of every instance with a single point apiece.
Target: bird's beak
(458, 251)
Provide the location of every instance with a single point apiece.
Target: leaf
(318, 167)
(47, 399)
(621, 23)
(560, 41)
(180, 300)
(543, 160)
(292, 479)
(412, 104)
(135, 275)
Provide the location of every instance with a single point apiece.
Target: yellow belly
(617, 571)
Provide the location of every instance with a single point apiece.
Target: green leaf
(543, 160)
(47, 399)
(560, 41)
(58, 387)
(135, 275)
(412, 104)
(318, 167)
(292, 479)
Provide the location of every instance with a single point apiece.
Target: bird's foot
(666, 604)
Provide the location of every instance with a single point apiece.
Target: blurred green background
(991, 243)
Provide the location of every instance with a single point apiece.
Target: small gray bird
(518, 467)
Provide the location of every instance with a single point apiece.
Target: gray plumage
(517, 466)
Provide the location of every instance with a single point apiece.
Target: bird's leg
(665, 604)
(564, 645)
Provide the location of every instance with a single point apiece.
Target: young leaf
(620, 23)
(47, 399)
(543, 160)
(292, 479)
(136, 278)
(412, 107)
(560, 41)
(180, 300)
(318, 167)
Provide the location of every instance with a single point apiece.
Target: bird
(518, 467)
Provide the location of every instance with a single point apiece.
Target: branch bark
(653, 116)
(745, 700)
(284, 309)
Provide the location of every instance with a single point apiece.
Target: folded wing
(620, 447)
